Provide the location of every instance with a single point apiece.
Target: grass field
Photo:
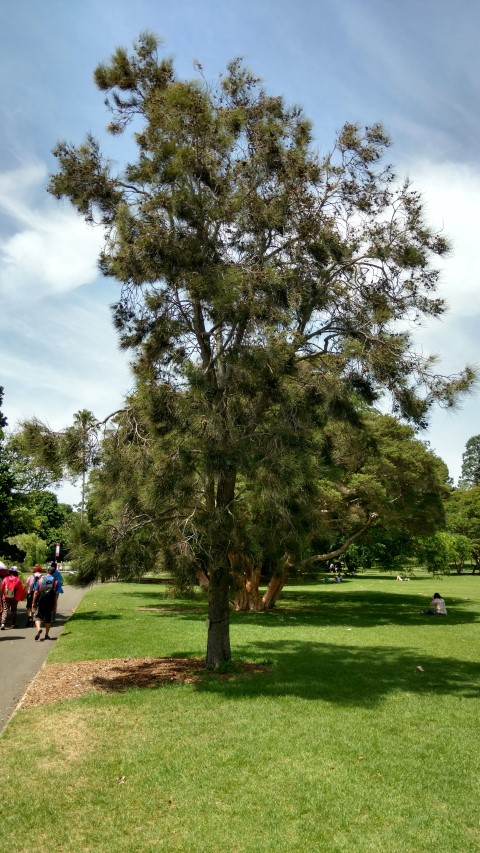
(344, 745)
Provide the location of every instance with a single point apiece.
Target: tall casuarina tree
(256, 280)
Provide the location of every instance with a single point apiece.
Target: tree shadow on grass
(358, 609)
(318, 607)
(346, 677)
(93, 616)
(349, 675)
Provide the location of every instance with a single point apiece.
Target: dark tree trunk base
(218, 642)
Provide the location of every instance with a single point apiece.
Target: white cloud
(451, 193)
(51, 249)
(62, 358)
(58, 349)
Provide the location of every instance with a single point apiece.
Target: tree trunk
(218, 642)
(273, 590)
(203, 580)
(248, 580)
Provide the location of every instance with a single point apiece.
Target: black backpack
(47, 590)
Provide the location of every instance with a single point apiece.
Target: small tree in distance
(261, 291)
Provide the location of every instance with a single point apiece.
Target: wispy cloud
(48, 248)
(58, 351)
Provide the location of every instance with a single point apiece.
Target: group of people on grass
(41, 591)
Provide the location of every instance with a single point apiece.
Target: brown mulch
(59, 681)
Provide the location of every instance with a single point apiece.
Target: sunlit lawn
(344, 745)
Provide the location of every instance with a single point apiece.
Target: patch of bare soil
(59, 681)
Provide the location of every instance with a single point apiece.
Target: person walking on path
(29, 589)
(44, 602)
(12, 592)
(54, 571)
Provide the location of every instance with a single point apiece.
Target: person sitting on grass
(437, 606)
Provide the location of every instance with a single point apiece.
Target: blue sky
(414, 65)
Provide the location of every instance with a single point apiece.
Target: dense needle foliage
(261, 291)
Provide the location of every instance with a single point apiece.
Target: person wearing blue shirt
(59, 588)
(44, 601)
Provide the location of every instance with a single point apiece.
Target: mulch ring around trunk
(59, 681)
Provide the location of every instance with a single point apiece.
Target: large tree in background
(260, 285)
(40, 512)
(470, 475)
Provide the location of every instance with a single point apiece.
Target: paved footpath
(21, 657)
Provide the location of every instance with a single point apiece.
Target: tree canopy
(264, 291)
(470, 475)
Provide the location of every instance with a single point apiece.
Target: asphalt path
(21, 657)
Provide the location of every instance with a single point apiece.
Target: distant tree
(7, 483)
(463, 518)
(32, 548)
(443, 551)
(41, 513)
(244, 257)
(470, 475)
(66, 454)
(397, 476)
(29, 476)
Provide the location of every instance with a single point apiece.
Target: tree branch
(336, 553)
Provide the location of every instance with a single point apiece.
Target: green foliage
(29, 474)
(7, 483)
(68, 453)
(463, 517)
(40, 512)
(26, 508)
(261, 291)
(470, 475)
(33, 547)
(443, 551)
(463, 512)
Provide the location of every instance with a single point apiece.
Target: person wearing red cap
(12, 592)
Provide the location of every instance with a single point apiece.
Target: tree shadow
(349, 675)
(13, 637)
(359, 609)
(92, 616)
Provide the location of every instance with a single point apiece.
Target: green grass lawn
(343, 746)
